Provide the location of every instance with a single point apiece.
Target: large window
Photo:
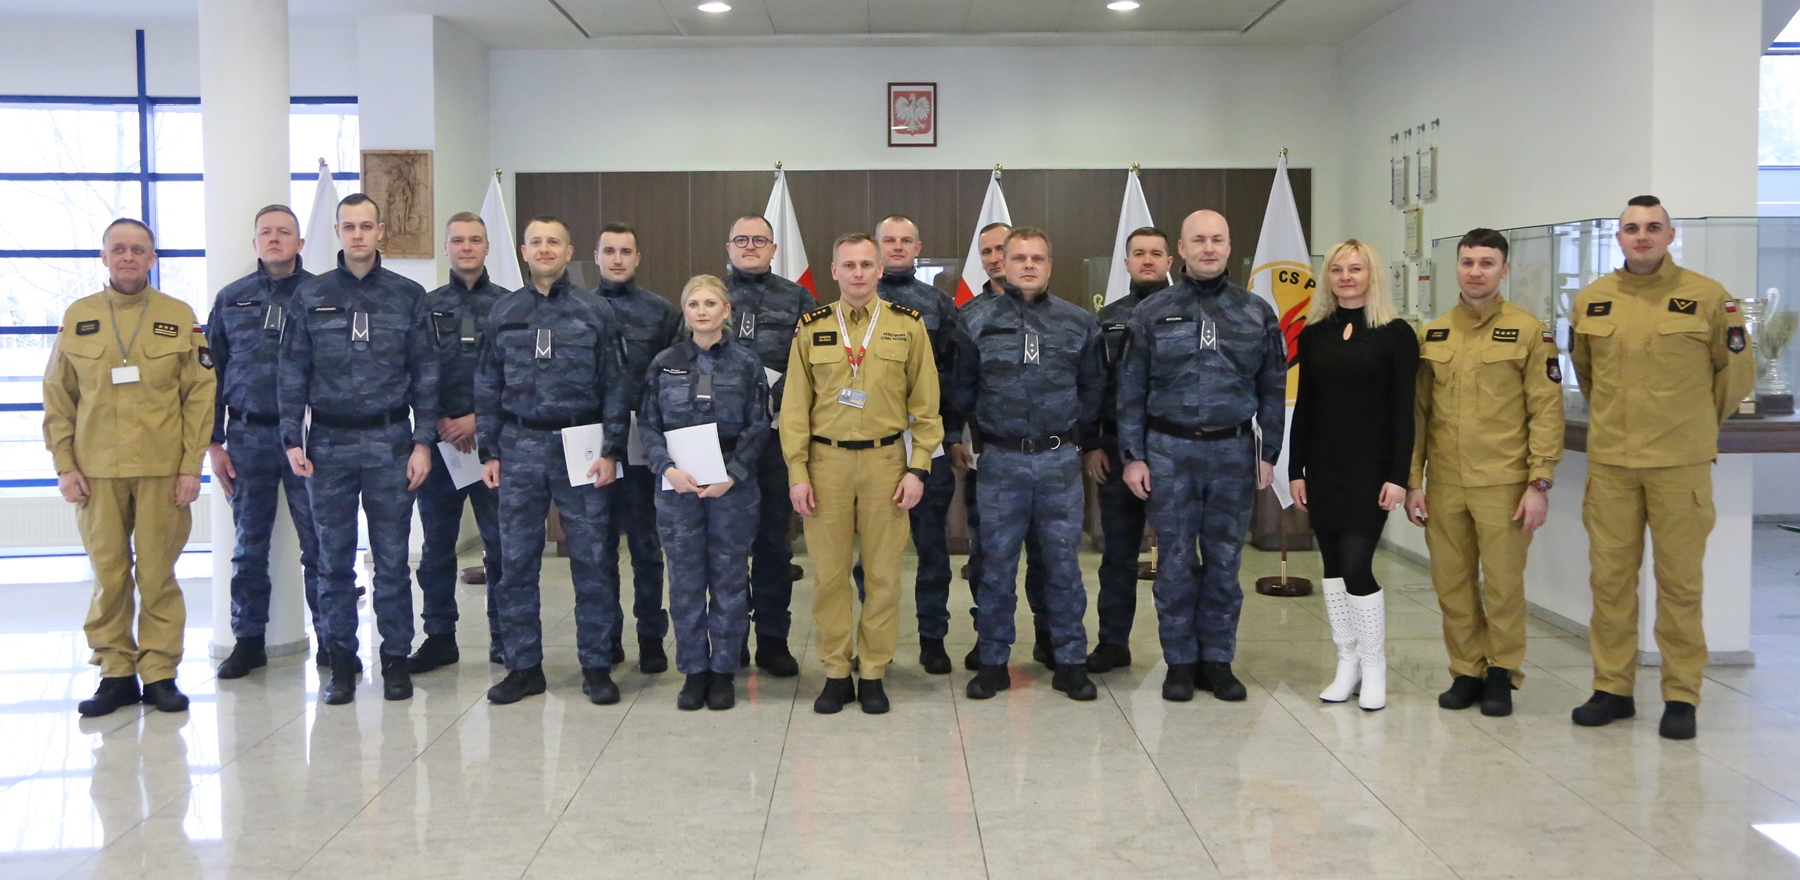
(71, 165)
(1778, 129)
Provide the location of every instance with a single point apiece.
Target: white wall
(460, 164)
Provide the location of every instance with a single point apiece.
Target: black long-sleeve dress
(1353, 419)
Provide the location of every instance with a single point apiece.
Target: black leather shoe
(988, 682)
(972, 660)
(795, 572)
(1107, 658)
(1678, 721)
(517, 685)
(837, 693)
(872, 697)
(1496, 693)
(652, 659)
(113, 693)
(772, 656)
(1465, 691)
(1222, 683)
(693, 691)
(933, 657)
(1602, 709)
(496, 649)
(396, 678)
(721, 691)
(1043, 649)
(435, 653)
(599, 687)
(1178, 683)
(166, 697)
(1073, 680)
(246, 655)
(341, 688)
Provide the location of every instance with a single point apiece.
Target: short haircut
(704, 282)
(851, 238)
(357, 199)
(277, 209)
(549, 218)
(757, 217)
(1143, 231)
(464, 217)
(1482, 236)
(1019, 232)
(618, 228)
(898, 218)
(127, 221)
(993, 226)
(1647, 201)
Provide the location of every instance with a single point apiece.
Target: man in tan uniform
(860, 373)
(128, 413)
(1662, 358)
(1489, 416)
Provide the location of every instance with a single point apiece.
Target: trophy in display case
(1770, 331)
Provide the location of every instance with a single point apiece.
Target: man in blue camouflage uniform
(1147, 260)
(992, 243)
(248, 461)
(359, 354)
(648, 324)
(1029, 372)
(459, 323)
(554, 362)
(1202, 359)
(765, 308)
(898, 237)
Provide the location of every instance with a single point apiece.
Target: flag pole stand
(1283, 586)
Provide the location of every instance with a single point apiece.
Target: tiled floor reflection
(259, 780)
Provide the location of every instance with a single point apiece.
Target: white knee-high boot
(1371, 646)
(1343, 633)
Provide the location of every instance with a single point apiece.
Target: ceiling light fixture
(1122, 5)
(715, 6)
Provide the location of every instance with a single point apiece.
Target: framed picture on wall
(400, 182)
(912, 114)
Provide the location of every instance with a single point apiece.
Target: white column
(244, 111)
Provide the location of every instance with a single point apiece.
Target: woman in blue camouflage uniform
(706, 530)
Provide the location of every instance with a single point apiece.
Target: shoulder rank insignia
(163, 329)
(1506, 334)
(905, 310)
(1599, 309)
(1734, 339)
(816, 314)
(87, 328)
(1684, 306)
(1437, 334)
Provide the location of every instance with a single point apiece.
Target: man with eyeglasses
(766, 308)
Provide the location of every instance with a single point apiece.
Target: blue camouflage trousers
(1122, 524)
(440, 515)
(262, 469)
(1038, 493)
(708, 540)
(1034, 556)
(532, 474)
(930, 520)
(634, 512)
(366, 465)
(772, 552)
(1200, 493)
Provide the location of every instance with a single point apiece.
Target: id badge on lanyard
(855, 398)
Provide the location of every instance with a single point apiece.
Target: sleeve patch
(1553, 369)
(1734, 339)
(206, 357)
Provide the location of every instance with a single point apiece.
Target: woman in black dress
(1350, 448)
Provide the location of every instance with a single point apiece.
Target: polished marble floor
(260, 780)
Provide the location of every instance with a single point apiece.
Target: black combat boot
(1496, 693)
(1107, 658)
(772, 657)
(1465, 691)
(1602, 709)
(341, 688)
(435, 653)
(721, 691)
(933, 657)
(396, 677)
(972, 660)
(517, 685)
(1178, 683)
(246, 655)
(113, 693)
(165, 696)
(872, 696)
(837, 693)
(652, 659)
(1073, 680)
(988, 682)
(323, 659)
(599, 686)
(693, 691)
(496, 649)
(1043, 649)
(1221, 682)
(1678, 720)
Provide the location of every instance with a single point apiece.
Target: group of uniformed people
(338, 387)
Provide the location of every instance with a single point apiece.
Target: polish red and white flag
(790, 251)
(993, 210)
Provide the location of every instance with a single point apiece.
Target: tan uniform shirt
(1663, 361)
(156, 426)
(1489, 407)
(898, 375)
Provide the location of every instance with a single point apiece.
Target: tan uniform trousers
(1676, 502)
(1478, 568)
(119, 511)
(854, 490)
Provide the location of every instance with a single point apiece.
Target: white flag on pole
(790, 251)
(320, 254)
(503, 254)
(993, 210)
(1133, 214)
(1282, 275)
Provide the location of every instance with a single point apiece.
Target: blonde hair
(704, 282)
(1378, 306)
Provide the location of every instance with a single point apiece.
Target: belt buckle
(1027, 446)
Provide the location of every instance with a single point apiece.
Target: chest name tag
(824, 337)
(747, 325)
(542, 349)
(87, 328)
(703, 387)
(1684, 306)
(853, 398)
(272, 320)
(1033, 349)
(1599, 309)
(359, 327)
(1438, 334)
(124, 375)
(162, 329)
(1506, 334)
(1209, 335)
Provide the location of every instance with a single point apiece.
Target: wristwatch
(1540, 484)
(921, 473)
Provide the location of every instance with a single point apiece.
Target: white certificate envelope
(464, 467)
(696, 450)
(635, 453)
(581, 445)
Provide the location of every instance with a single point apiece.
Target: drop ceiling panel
(918, 16)
(747, 18)
(616, 18)
(1214, 15)
(1018, 16)
(819, 16)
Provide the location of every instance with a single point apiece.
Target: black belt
(327, 420)
(859, 444)
(1030, 445)
(1164, 426)
(549, 424)
(257, 419)
(1109, 428)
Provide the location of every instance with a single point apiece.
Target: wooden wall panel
(829, 204)
(931, 199)
(657, 204)
(1174, 193)
(573, 196)
(715, 199)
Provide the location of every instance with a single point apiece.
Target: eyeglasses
(744, 241)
